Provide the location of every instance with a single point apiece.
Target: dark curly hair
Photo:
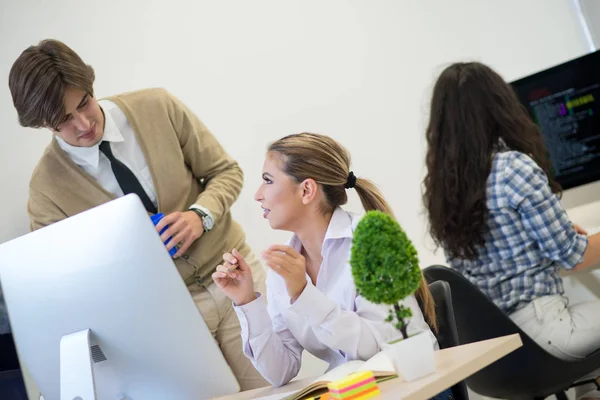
(473, 110)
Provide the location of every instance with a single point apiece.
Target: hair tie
(351, 182)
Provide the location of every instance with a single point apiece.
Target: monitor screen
(563, 101)
(106, 309)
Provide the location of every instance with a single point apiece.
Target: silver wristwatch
(207, 219)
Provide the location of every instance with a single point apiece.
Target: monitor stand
(76, 375)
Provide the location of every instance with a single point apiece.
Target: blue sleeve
(528, 191)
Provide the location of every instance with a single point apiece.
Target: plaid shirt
(529, 236)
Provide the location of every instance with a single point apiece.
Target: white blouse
(328, 319)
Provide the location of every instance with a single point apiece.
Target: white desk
(453, 365)
(587, 216)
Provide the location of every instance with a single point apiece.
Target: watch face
(207, 220)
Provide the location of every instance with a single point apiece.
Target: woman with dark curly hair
(493, 207)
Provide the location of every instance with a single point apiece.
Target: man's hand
(184, 227)
(290, 265)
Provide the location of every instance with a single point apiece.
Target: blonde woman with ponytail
(312, 301)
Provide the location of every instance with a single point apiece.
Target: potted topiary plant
(385, 267)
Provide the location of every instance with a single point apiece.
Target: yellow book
(379, 364)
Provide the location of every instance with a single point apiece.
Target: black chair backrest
(12, 385)
(446, 335)
(478, 318)
(11, 380)
(8, 354)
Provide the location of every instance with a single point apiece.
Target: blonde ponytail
(372, 199)
(424, 294)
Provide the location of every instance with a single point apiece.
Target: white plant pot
(413, 358)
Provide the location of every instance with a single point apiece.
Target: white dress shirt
(125, 148)
(329, 320)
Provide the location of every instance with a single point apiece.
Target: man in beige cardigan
(144, 142)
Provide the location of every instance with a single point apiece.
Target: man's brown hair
(38, 80)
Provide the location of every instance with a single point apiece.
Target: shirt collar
(500, 146)
(91, 155)
(340, 227)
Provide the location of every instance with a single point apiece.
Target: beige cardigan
(187, 164)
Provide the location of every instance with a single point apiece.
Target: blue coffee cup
(156, 219)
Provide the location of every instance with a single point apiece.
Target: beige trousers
(218, 313)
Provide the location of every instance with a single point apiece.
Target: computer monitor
(564, 102)
(107, 271)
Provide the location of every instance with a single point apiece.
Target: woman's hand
(234, 278)
(579, 230)
(290, 265)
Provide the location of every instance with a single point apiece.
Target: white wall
(360, 71)
(590, 11)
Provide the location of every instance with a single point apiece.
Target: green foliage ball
(384, 262)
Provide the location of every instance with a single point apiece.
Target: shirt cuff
(199, 207)
(254, 317)
(575, 254)
(313, 305)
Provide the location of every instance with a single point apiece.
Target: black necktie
(126, 178)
